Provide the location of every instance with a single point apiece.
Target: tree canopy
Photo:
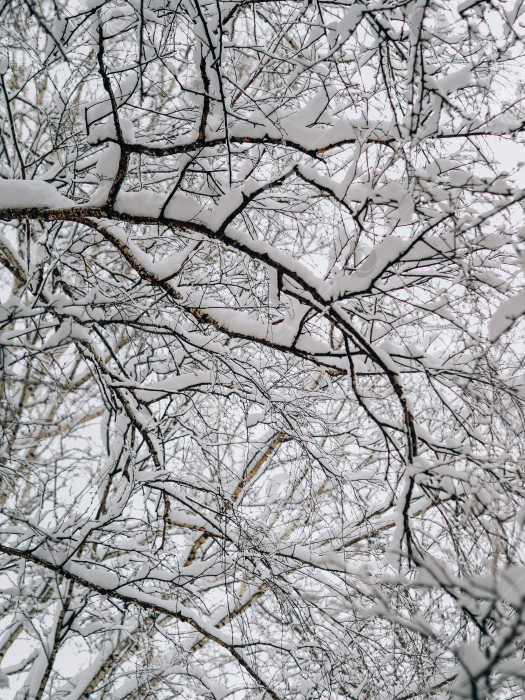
(262, 398)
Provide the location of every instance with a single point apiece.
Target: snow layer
(506, 315)
(18, 194)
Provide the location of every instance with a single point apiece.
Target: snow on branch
(262, 379)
